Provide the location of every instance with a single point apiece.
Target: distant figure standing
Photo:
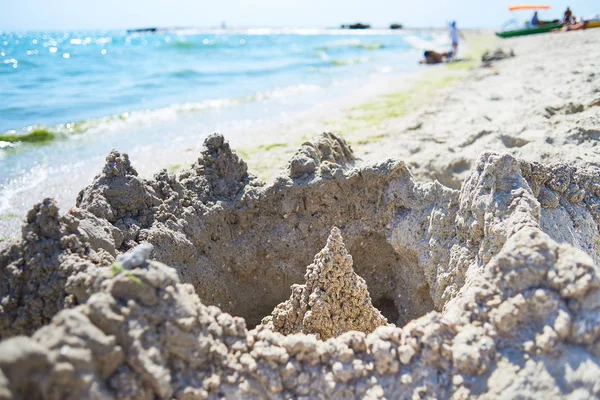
(455, 36)
(568, 17)
(535, 20)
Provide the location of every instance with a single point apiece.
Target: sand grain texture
(334, 300)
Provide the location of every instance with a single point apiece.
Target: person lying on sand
(433, 57)
(573, 27)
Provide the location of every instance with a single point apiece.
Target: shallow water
(156, 95)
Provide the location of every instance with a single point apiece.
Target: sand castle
(333, 301)
(489, 291)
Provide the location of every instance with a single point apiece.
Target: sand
(535, 106)
(472, 222)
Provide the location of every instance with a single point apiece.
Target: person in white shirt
(455, 36)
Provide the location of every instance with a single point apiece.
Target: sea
(158, 94)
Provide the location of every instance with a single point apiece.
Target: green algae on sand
(392, 106)
(174, 168)
(270, 146)
(6, 216)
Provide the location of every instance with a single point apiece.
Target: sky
(111, 14)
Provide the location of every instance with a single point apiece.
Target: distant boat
(141, 30)
(512, 28)
(529, 31)
(358, 25)
(593, 23)
(396, 26)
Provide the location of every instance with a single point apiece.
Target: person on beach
(535, 21)
(433, 57)
(568, 17)
(573, 27)
(455, 36)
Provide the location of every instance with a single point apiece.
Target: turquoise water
(55, 78)
(155, 93)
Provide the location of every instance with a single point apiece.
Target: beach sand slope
(542, 105)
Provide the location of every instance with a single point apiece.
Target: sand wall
(488, 289)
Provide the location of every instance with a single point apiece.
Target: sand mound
(334, 299)
(496, 55)
(496, 284)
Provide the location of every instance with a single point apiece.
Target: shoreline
(252, 141)
(414, 118)
(371, 118)
(183, 141)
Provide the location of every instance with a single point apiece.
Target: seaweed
(37, 136)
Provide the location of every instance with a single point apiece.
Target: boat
(512, 28)
(530, 31)
(593, 24)
(358, 25)
(142, 30)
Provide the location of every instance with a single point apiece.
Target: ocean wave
(436, 41)
(10, 64)
(256, 72)
(185, 73)
(184, 45)
(15, 187)
(121, 72)
(205, 44)
(351, 44)
(143, 117)
(285, 31)
(350, 61)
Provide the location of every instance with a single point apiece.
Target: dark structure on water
(357, 25)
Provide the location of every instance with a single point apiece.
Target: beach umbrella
(528, 7)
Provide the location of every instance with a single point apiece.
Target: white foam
(438, 41)
(23, 183)
(149, 116)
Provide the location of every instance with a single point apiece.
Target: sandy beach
(538, 106)
(535, 106)
(439, 240)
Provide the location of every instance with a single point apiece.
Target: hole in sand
(396, 281)
(388, 308)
